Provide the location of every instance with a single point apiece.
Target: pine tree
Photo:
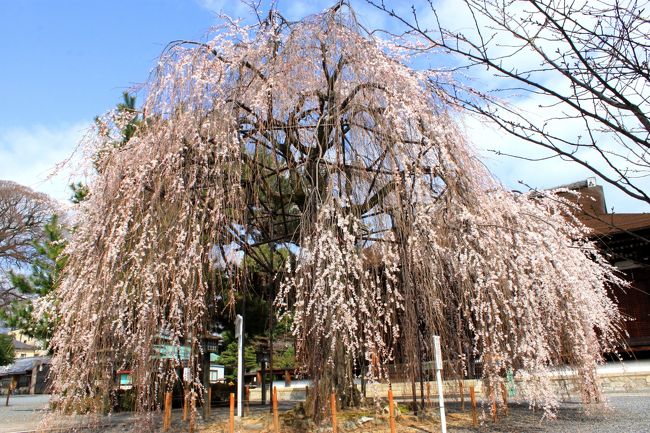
(228, 358)
(7, 352)
(40, 283)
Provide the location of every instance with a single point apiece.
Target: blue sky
(64, 62)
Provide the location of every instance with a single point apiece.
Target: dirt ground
(624, 413)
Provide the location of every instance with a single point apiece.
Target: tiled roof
(23, 365)
(19, 345)
(593, 212)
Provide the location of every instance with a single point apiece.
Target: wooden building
(26, 376)
(625, 239)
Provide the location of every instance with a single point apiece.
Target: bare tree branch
(587, 60)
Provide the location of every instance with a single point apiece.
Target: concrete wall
(566, 387)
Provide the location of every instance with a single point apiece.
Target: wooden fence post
(472, 396)
(167, 418)
(391, 411)
(231, 424)
(276, 419)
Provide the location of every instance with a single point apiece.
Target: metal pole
(239, 333)
(438, 364)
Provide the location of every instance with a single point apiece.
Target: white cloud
(540, 109)
(539, 174)
(30, 154)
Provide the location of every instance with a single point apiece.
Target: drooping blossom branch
(315, 137)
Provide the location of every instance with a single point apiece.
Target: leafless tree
(23, 213)
(584, 63)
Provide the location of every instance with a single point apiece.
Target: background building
(625, 239)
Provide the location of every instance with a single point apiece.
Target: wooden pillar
(34, 379)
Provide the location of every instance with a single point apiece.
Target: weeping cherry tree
(315, 137)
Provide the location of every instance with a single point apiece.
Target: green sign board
(167, 351)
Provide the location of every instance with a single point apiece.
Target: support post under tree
(438, 365)
(239, 334)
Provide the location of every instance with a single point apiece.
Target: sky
(64, 62)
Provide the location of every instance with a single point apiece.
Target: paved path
(23, 413)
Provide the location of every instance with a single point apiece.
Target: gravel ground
(625, 413)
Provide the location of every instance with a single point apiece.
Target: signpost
(239, 334)
(438, 366)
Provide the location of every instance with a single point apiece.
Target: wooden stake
(167, 418)
(333, 406)
(391, 411)
(461, 391)
(504, 394)
(185, 398)
(231, 425)
(472, 396)
(276, 419)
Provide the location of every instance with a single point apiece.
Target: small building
(26, 347)
(24, 350)
(26, 375)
